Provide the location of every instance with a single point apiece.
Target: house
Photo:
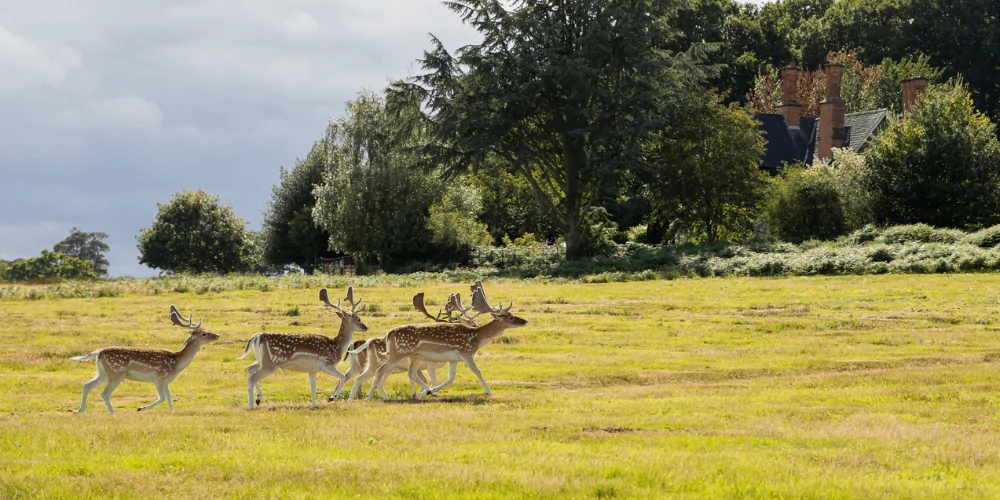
(793, 138)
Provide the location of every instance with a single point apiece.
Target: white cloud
(25, 64)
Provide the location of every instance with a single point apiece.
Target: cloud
(26, 64)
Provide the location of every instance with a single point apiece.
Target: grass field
(820, 387)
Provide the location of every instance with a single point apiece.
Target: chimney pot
(790, 107)
(832, 112)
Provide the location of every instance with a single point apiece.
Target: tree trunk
(573, 160)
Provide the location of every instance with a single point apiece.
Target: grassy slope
(800, 387)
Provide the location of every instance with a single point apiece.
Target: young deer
(445, 342)
(158, 366)
(367, 356)
(303, 352)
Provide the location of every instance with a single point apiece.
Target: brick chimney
(831, 113)
(912, 88)
(790, 107)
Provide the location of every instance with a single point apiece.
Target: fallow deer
(446, 342)
(304, 352)
(366, 356)
(158, 366)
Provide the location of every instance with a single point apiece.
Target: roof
(860, 127)
(798, 144)
(785, 144)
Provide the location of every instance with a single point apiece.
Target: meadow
(795, 387)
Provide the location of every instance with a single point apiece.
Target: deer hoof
(257, 402)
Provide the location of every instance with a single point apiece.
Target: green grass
(819, 387)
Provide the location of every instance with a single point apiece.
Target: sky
(108, 107)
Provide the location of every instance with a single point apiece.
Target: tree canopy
(195, 233)
(86, 246)
(561, 94)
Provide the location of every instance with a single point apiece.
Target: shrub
(920, 233)
(802, 205)
(195, 233)
(986, 238)
(867, 233)
(51, 267)
(939, 166)
(453, 224)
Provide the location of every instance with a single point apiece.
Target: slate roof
(860, 127)
(784, 143)
(798, 144)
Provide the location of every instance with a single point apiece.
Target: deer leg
(352, 372)
(254, 368)
(452, 371)
(312, 387)
(159, 392)
(340, 382)
(170, 399)
(432, 373)
(108, 389)
(254, 381)
(415, 375)
(364, 377)
(89, 386)
(381, 374)
(471, 363)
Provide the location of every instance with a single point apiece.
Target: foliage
(51, 267)
(803, 204)
(4, 267)
(560, 93)
(961, 36)
(288, 234)
(372, 201)
(864, 87)
(195, 233)
(86, 246)
(706, 181)
(452, 221)
(509, 209)
(985, 238)
(940, 166)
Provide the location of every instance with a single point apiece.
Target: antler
(418, 304)
(454, 304)
(177, 319)
(325, 297)
(482, 305)
(455, 301)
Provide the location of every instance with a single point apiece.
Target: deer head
(197, 335)
(350, 318)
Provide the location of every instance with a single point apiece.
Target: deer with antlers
(446, 342)
(304, 352)
(159, 366)
(367, 356)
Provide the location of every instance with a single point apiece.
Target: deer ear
(342, 316)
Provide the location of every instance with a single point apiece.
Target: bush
(195, 233)
(920, 233)
(802, 205)
(51, 267)
(867, 233)
(939, 166)
(453, 224)
(4, 267)
(986, 238)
